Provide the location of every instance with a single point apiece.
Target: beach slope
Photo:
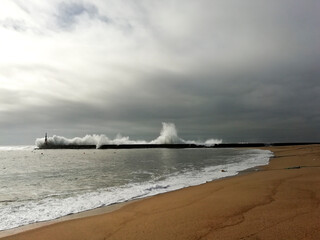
(280, 201)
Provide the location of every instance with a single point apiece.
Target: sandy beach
(279, 201)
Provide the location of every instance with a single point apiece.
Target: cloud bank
(245, 71)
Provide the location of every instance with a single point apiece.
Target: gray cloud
(69, 13)
(236, 71)
(15, 24)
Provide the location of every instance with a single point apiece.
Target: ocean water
(40, 185)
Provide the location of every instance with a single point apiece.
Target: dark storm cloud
(239, 107)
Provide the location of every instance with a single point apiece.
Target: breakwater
(148, 146)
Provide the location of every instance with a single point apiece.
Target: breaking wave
(168, 135)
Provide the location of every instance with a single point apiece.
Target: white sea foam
(26, 212)
(168, 135)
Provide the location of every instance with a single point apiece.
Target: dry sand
(273, 203)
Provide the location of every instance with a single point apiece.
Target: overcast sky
(234, 70)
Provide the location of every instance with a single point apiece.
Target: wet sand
(280, 201)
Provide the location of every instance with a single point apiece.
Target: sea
(41, 185)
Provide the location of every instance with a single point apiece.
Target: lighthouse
(46, 139)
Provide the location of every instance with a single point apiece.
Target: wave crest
(168, 135)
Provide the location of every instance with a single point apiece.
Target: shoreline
(108, 208)
(128, 213)
(113, 206)
(169, 186)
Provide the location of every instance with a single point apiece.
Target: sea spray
(168, 135)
